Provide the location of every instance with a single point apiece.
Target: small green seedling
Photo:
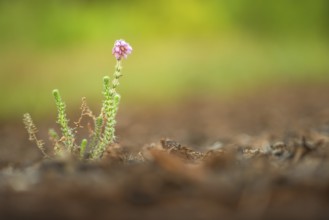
(103, 132)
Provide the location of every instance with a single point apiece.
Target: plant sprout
(103, 132)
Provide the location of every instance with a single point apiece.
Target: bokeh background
(187, 48)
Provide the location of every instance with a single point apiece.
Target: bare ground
(261, 155)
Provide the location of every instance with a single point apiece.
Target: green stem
(109, 110)
(63, 122)
(83, 146)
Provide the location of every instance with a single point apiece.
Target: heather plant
(103, 129)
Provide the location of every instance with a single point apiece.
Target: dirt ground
(260, 155)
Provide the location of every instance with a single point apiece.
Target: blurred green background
(181, 48)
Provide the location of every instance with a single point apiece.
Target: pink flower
(121, 49)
